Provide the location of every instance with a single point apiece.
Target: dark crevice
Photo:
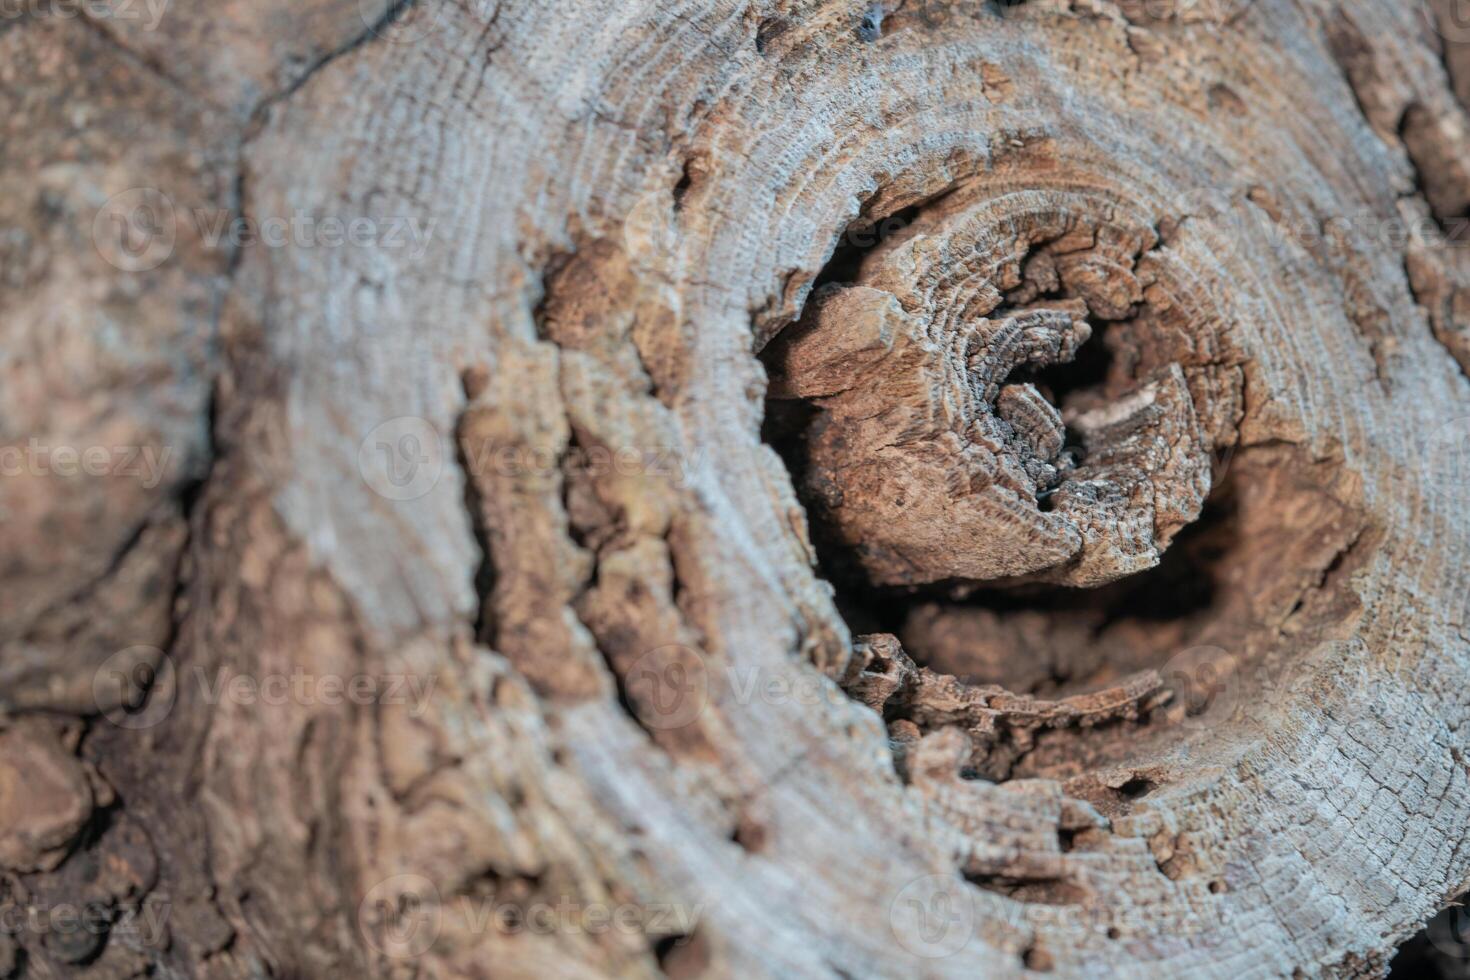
(191, 499)
(1339, 561)
(1137, 788)
(1439, 951)
(1268, 538)
(683, 956)
(1065, 384)
(858, 240)
(1162, 600)
(1160, 603)
(1406, 124)
(502, 886)
(788, 424)
(484, 627)
(617, 666)
(871, 229)
(785, 429)
(750, 833)
(586, 533)
(1435, 152)
(624, 698)
(767, 31)
(1031, 891)
(1439, 168)
(681, 189)
(1090, 369)
(1037, 959)
(551, 271)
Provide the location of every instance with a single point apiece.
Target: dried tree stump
(735, 488)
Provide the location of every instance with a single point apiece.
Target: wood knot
(959, 437)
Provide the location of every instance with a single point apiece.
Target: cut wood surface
(732, 488)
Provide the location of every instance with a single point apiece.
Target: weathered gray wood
(507, 444)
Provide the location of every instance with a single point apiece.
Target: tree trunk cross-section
(732, 488)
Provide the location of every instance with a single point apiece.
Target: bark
(732, 488)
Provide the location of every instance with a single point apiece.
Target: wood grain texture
(919, 694)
